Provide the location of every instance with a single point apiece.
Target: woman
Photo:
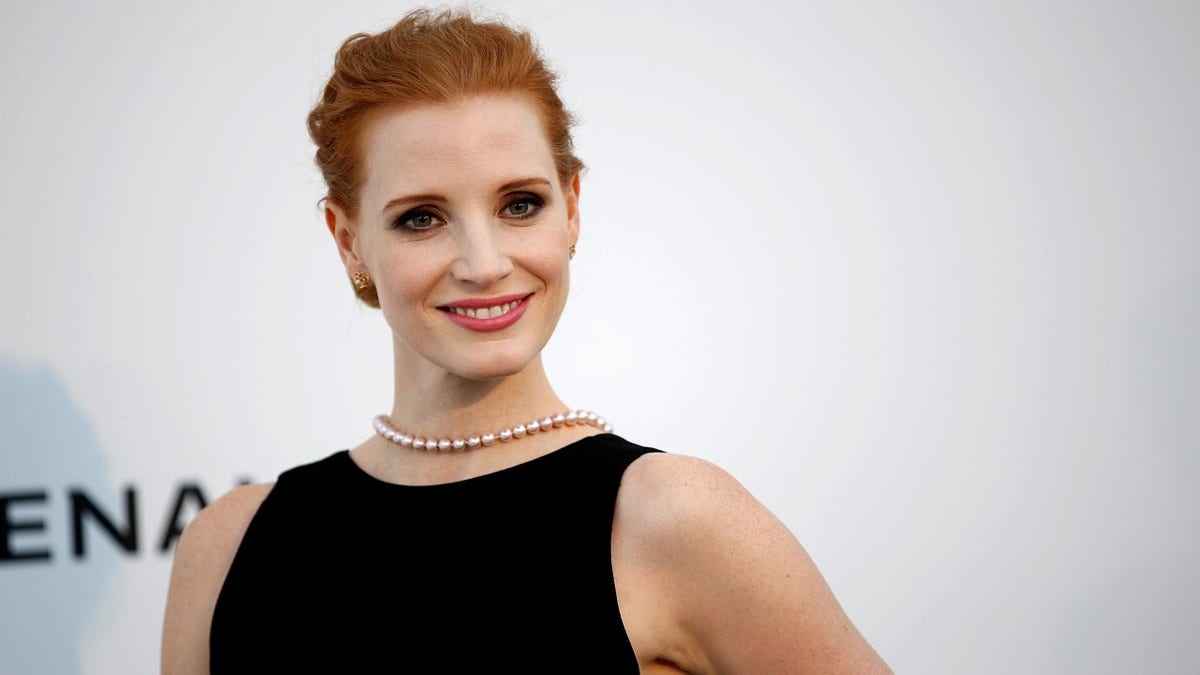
(484, 525)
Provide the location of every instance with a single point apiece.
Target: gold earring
(571, 252)
(360, 280)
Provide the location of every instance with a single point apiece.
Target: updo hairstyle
(428, 57)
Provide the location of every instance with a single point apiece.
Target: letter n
(83, 507)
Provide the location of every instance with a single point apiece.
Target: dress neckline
(360, 474)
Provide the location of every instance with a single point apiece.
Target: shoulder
(742, 594)
(202, 559)
(221, 524)
(669, 495)
(694, 518)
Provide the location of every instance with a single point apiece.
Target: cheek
(401, 281)
(548, 259)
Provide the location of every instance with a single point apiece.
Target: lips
(487, 314)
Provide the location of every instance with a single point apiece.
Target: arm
(737, 592)
(202, 560)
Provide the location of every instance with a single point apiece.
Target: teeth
(486, 312)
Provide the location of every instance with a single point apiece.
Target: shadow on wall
(48, 596)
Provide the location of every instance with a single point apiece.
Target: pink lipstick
(487, 314)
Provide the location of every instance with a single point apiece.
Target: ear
(571, 192)
(345, 236)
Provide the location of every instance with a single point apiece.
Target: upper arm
(741, 593)
(202, 559)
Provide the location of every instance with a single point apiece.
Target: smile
(487, 314)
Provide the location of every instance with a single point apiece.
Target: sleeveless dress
(511, 571)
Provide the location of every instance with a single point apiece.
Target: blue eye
(524, 206)
(418, 220)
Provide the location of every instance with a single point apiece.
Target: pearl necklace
(383, 427)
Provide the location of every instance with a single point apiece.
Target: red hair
(428, 57)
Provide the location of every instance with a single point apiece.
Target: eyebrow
(407, 199)
(435, 197)
(523, 182)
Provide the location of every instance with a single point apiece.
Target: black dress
(511, 571)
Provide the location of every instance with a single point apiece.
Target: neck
(441, 404)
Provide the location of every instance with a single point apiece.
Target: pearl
(384, 428)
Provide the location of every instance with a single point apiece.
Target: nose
(480, 260)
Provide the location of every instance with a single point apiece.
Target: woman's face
(464, 229)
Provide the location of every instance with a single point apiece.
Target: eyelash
(404, 221)
(535, 205)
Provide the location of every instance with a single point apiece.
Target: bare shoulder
(219, 527)
(682, 482)
(202, 559)
(741, 591)
(668, 497)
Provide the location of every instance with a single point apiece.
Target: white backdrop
(924, 276)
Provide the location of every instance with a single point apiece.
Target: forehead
(444, 146)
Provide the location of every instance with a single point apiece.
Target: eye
(523, 206)
(418, 220)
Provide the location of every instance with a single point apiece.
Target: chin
(484, 374)
(492, 366)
